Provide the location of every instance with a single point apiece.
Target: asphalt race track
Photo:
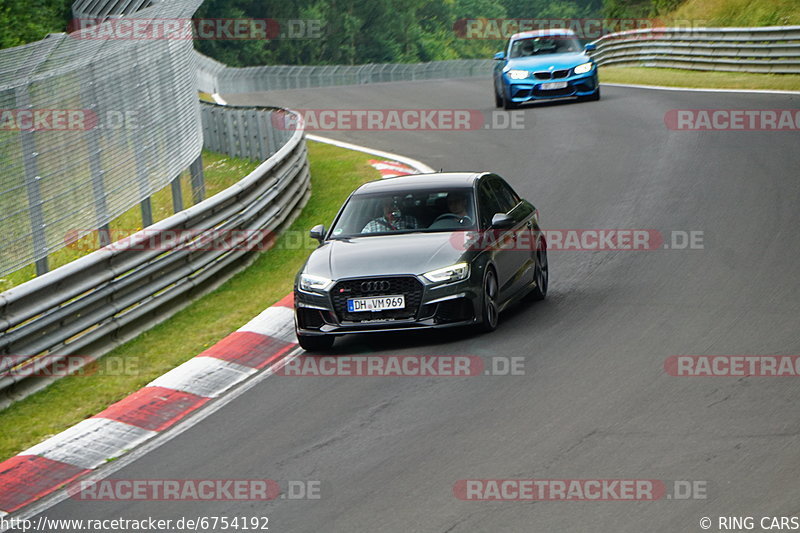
(594, 401)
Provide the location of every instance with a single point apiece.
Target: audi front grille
(408, 286)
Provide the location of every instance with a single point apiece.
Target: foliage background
(387, 31)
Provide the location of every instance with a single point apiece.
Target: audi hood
(385, 255)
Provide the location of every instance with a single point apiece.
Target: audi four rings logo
(372, 286)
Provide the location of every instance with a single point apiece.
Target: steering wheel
(462, 220)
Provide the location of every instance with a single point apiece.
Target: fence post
(32, 186)
(177, 194)
(198, 180)
(89, 96)
(147, 212)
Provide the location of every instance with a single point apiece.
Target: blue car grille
(554, 75)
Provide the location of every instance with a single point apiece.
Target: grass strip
(671, 77)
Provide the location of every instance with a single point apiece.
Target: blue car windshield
(537, 46)
(406, 212)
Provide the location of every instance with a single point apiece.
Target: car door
(499, 65)
(522, 233)
(498, 242)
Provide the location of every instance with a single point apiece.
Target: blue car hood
(544, 62)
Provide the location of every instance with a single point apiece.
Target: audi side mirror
(317, 233)
(591, 47)
(502, 221)
(499, 56)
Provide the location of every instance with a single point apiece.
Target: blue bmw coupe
(546, 64)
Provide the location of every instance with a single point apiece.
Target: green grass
(739, 12)
(221, 171)
(699, 79)
(334, 174)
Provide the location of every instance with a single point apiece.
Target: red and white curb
(391, 169)
(48, 466)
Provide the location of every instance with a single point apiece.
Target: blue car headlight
(517, 74)
(583, 69)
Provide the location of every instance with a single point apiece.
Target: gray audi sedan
(422, 251)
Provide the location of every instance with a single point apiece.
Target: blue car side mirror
(591, 47)
(499, 56)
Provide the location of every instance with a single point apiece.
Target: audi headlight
(517, 74)
(452, 273)
(583, 69)
(309, 283)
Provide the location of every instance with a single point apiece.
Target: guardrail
(243, 131)
(107, 297)
(215, 77)
(773, 49)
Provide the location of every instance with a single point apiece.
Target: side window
(487, 203)
(506, 197)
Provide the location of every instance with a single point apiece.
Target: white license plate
(376, 303)
(554, 85)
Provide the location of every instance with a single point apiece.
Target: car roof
(542, 33)
(452, 180)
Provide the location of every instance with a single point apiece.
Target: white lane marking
(700, 90)
(204, 376)
(277, 322)
(419, 165)
(91, 442)
(161, 438)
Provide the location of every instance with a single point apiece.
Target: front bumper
(530, 89)
(435, 306)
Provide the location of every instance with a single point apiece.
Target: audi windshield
(406, 212)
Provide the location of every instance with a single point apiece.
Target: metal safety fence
(773, 49)
(89, 127)
(109, 296)
(215, 77)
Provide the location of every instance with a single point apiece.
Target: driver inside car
(457, 212)
(392, 219)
